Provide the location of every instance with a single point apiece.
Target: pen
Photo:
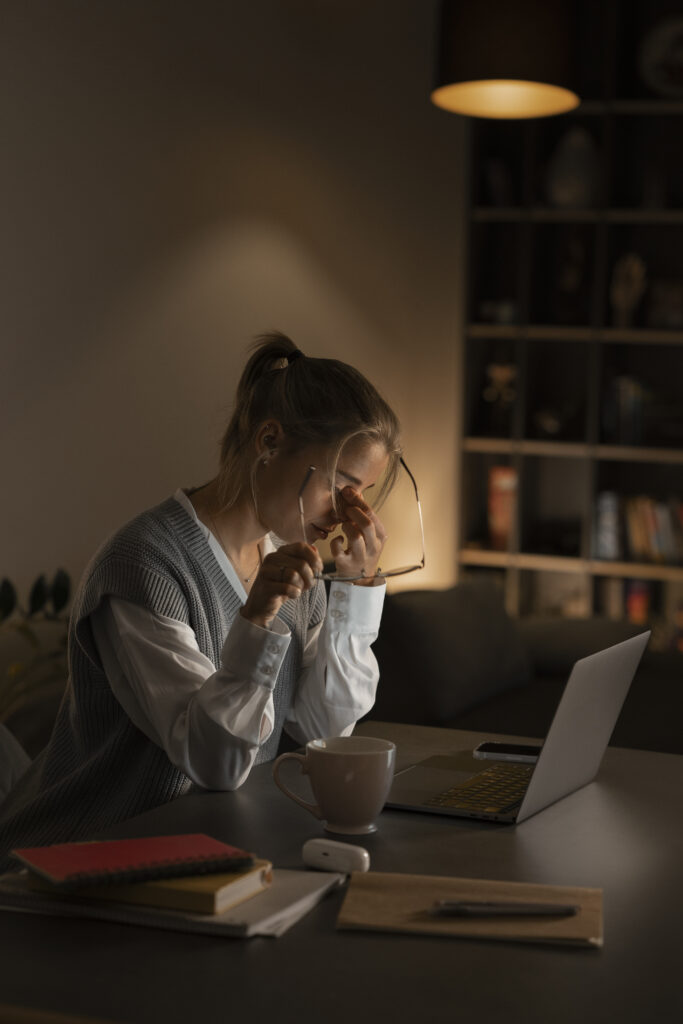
(510, 908)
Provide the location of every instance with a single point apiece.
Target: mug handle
(313, 808)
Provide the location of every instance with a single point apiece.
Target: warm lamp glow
(504, 98)
(505, 59)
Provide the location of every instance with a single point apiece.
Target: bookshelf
(573, 357)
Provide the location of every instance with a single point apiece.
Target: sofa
(454, 658)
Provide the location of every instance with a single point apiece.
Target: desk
(622, 833)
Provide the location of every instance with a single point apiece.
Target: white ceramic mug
(350, 777)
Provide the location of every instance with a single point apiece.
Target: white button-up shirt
(211, 722)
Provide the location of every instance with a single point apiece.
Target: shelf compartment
(500, 182)
(491, 396)
(637, 520)
(632, 25)
(563, 271)
(555, 499)
(659, 479)
(647, 156)
(658, 303)
(496, 286)
(555, 390)
(492, 519)
(642, 396)
(569, 164)
(638, 527)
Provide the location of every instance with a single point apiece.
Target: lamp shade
(506, 58)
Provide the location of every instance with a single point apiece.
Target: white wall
(178, 177)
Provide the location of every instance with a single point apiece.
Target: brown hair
(314, 400)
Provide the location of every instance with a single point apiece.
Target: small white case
(327, 855)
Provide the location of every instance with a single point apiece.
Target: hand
(365, 538)
(284, 574)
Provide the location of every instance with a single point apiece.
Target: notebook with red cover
(69, 865)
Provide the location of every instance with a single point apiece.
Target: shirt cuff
(355, 609)
(254, 652)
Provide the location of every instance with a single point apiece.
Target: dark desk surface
(623, 833)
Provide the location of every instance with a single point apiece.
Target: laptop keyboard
(496, 790)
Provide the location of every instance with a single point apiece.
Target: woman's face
(279, 481)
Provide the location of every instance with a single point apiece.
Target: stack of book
(187, 882)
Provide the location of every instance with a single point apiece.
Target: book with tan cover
(199, 894)
(379, 901)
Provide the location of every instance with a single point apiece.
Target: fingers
(337, 547)
(285, 574)
(364, 532)
(292, 569)
(361, 514)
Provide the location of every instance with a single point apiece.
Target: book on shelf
(639, 527)
(502, 504)
(70, 865)
(199, 894)
(638, 600)
(675, 508)
(607, 537)
(653, 530)
(639, 530)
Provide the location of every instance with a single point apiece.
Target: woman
(200, 630)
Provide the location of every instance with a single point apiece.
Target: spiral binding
(159, 869)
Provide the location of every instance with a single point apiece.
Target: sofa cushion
(650, 718)
(440, 651)
(554, 644)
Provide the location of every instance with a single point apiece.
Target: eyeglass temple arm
(309, 472)
(412, 478)
(419, 505)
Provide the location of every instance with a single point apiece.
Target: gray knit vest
(98, 768)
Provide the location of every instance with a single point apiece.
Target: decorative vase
(573, 172)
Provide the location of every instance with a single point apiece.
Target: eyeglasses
(381, 573)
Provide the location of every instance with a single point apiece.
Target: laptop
(569, 758)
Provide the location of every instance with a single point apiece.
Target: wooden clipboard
(380, 901)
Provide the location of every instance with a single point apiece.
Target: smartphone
(526, 753)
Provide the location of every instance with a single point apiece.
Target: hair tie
(293, 355)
